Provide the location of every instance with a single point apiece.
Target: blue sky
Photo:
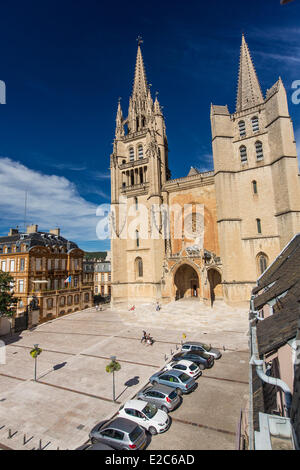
(65, 63)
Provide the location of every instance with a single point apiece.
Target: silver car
(162, 396)
(202, 347)
(176, 379)
(120, 434)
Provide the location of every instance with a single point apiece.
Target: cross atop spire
(139, 40)
(249, 92)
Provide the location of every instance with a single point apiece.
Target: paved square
(74, 392)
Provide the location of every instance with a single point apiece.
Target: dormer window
(255, 124)
(131, 154)
(243, 154)
(242, 128)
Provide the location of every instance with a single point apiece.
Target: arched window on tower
(255, 124)
(139, 267)
(259, 151)
(140, 151)
(258, 223)
(243, 154)
(242, 128)
(131, 154)
(254, 187)
(262, 262)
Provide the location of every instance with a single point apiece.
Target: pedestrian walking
(144, 337)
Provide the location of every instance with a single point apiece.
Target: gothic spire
(140, 87)
(249, 92)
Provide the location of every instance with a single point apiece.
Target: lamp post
(113, 360)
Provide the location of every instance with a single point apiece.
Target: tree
(8, 302)
(113, 367)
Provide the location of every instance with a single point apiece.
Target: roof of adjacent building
(95, 255)
(36, 239)
(279, 287)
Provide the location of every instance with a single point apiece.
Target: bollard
(24, 439)
(40, 444)
(9, 434)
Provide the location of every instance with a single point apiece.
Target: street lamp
(113, 360)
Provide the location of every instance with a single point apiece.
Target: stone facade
(240, 215)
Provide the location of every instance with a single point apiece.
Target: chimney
(55, 231)
(32, 228)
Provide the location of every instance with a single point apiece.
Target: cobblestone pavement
(74, 392)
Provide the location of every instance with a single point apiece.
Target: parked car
(203, 360)
(120, 434)
(146, 415)
(165, 398)
(98, 446)
(176, 379)
(197, 346)
(189, 367)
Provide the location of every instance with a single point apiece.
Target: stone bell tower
(256, 179)
(139, 168)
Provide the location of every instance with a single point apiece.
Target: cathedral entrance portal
(186, 282)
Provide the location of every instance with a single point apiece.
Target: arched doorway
(186, 282)
(215, 280)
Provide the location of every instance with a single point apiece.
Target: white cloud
(52, 201)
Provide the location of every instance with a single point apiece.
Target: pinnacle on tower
(249, 92)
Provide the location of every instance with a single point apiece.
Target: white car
(145, 415)
(189, 367)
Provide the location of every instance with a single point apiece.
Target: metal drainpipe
(273, 381)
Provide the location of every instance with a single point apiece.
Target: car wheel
(155, 382)
(179, 391)
(201, 366)
(152, 431)
(93, 440)
(165, 409)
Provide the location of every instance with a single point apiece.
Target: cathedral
(208, 235)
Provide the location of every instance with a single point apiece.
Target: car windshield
(150, 410)
(193, 367)
(184, 377)
(135, 434)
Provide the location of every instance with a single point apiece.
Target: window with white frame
(38, 264)
(21, 286)
(3, 266)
